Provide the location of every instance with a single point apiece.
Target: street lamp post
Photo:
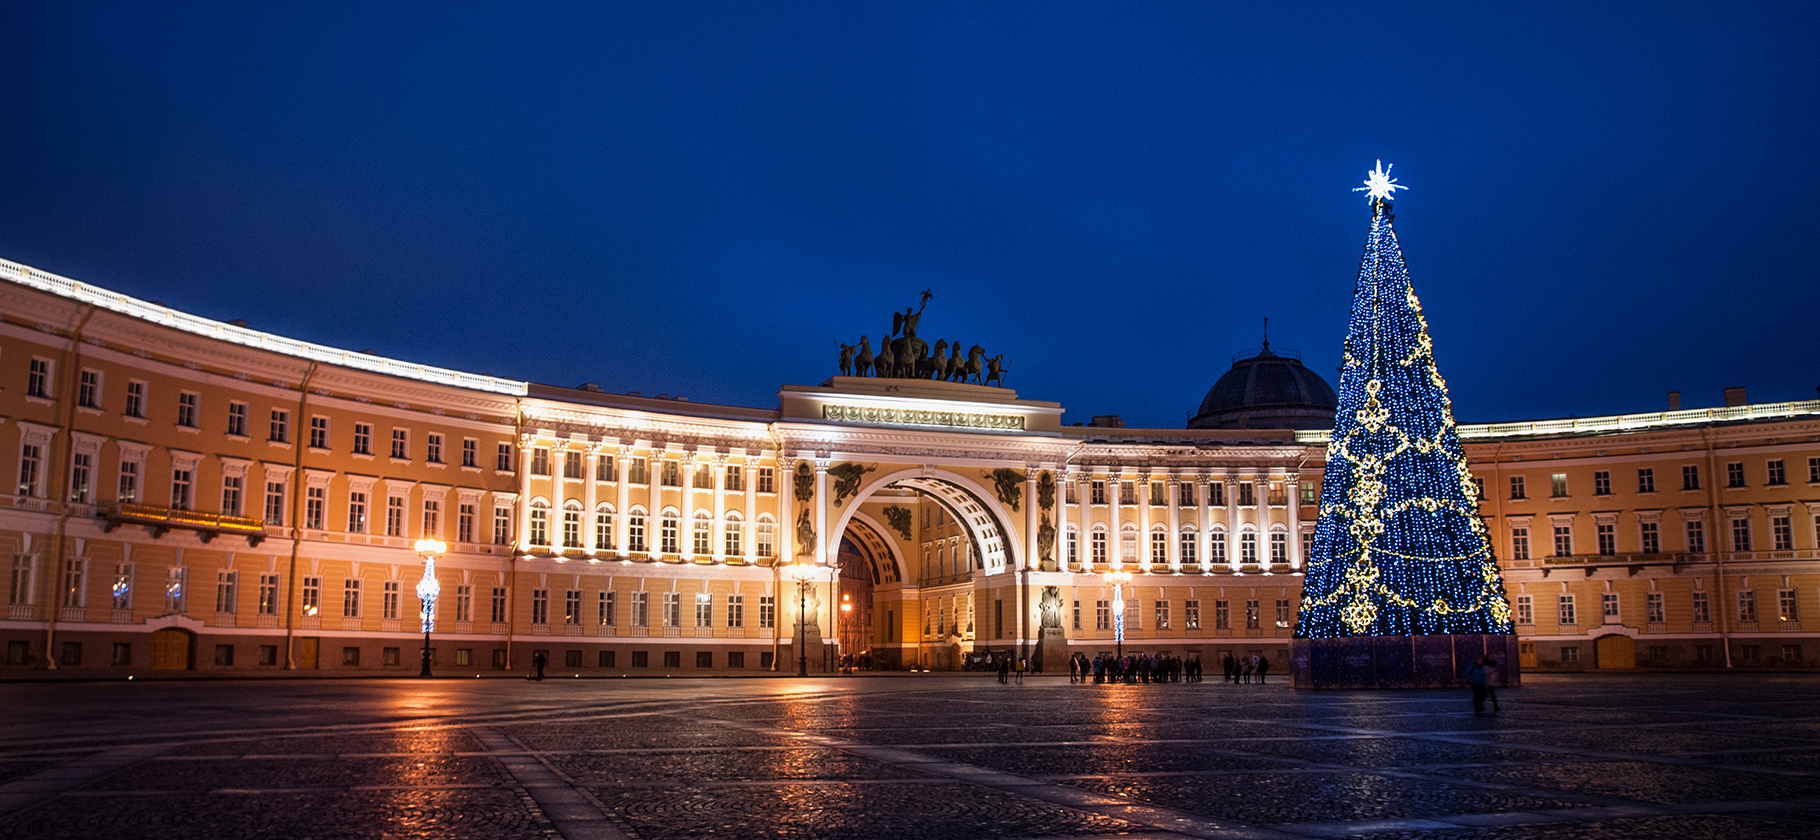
(427, 590)
(1118, 578)
(803, 572)
(846, 629)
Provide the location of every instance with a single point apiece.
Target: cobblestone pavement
(908, 756)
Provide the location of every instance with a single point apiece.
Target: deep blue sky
(1606, 203)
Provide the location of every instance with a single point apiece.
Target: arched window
(1188, 546)
(1248, 546)
(603, 527)
(1216, 544)
(1073, 547)
(1159, 545)
(1099, 543)
(1279, 545)
(540, 522)
(764, 536)
(1128, 547)
(635, 530)
(668, 531)
(701, 534)
(571, 524)
(730, 537)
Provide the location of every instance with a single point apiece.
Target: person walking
(1022, 665)
(537, 662)
(1263, 668)
(1480, 681)
(1229, 663)
(1004, 670)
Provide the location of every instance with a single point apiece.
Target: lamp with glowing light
(427, 590)
(1118, 578)
(846, 626)
(803, 572)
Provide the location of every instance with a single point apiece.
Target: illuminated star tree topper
(1379, 184)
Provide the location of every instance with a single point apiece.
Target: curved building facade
(191, 496)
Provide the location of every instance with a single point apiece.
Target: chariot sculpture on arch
(902, 354)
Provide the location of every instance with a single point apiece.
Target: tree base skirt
(1399, 661)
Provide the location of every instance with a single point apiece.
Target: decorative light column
(427, 590)
(846, 629)
(1118, 578)
(803, 572)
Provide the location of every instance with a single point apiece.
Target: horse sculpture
(862, 361)
(974, 366)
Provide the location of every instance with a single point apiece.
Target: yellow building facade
(187, 495)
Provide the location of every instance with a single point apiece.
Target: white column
(1234, 557)
(1174, 542)
(590, 467)
(749, 469)
(1205, 510)
(1064, 481)
(1143, 540)
(1266, 562)
(622, 500)
(1031, 560)
(1115, 499)
(821, 511)
(717, 538)
(654, 521)
(524, 490)
(685, 535)
(1084, 513)
(1295, 521)
(786, 509)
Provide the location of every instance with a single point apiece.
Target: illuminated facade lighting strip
(45, 281)
(1614, 423)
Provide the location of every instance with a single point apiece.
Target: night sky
(1605, 203)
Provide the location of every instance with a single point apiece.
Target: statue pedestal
(1051, 651)
(1399, 661)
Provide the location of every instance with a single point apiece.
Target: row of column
(1082, 482)
(622, 502)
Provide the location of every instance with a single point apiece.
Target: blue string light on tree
(1399, 548)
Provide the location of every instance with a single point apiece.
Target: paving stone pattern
(1693, 757)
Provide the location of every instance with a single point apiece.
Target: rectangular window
(1248, 547)
(1813, 470)
(1690, 477)
(1252, 617)
(1478, 491)
(1557, 485)
(1787, 606)
(704, 477)
(767, 611)
(135, 399)
(1191, 614)
(540, 606)
(1279, 548)
(1222, 615)
(464, 523)
(767, 480)
(29, 463)
(464, 603)
(1653, 609)
(432, 518)
(350, 598)
(605, 469)
(1747, 605)
(1784, 535)
(502, 525)
(1097, 493)
(667, 534)
(1282, 613)
(1567, 616)
(571, 464)
(1607, 535)
(88, 389)
(1184, 494)
(470, 453)
(1102, 615)
(319, 432)
(641, 609)
(571, 607)
(606, 609)
(394, 516)
(1650, 534)
(1127, 493)
(1216, 545)
(1159, 548)
(1162, 615)
(763, 535)
(268, 594)
(75, 574)
(1519, 543)
(315, 501)
(401, 444)
(81, 468)
(357, 512)
(672, 608)
(497, 609)
(1646, 480)
(432, 448)
(700, 536)
(671, 474)
(232, 490)
(1186, 546)
(188, 404)
(704, 610)
(390, 594)
(129, 481)
(1601, 483)
(540, 525)
(281, 427)
(1696, 537)
(1216, 495)
(1099, 546)
(19, 590)
(181, 481)
(1570, 654)
(1156, 494)
(1246, 494)
(1741, 534)
(38, 379)
(312, 596)
(1734, 474)
(635, 472)
(1526, 609)
(236, 421)
(736, 610)
(1517, 490)
(363, 439)
(1703, 607)
(1311, 494)
(1608, 606)
(635, 532)
(502, 459)
(1564, 541)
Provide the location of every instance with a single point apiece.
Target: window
(389, 597)
(603, 527)
(1478, 491)
(81, 467)
(464, 523)
(1248, 547)
(635, 531)
(1813, 470)
(1216, 495)
(1650, 535)
(1159, 548)
(540, 522)
(401, 444)
(38, 379)
(350, 656)
(571, 607)
(502, 460)
(1734, 474)
(1282, 613)
(1703, 653)
(1791, 653)
(1516, 488)
(1747, 605)
(1750, 653)
(1186, 546)
(135, 399)
(363, 439)
(1222, 615)
(1564, 541)
(1279, 548)
(704, 477)
(432, 448)
(736, 610)
(312, 596)
(641, 609)
(1690, 477)
(502, 525)
(1786, 605)
(432, 518)
(1646, 480)
(319, 432)
(730, 537)
(1526, 609)
(1156, 494)
(1741, 534)
(497, 613)
(672, 659)
(357, 512)
(1184, 494)
(701, 533)
(606, 609)
(767, 611)
(1608, 607)
(1652, 608)
(129, 481)
(1127, 493)
(766, 480)
(268, 594)
(672, 609)
(635, 472)
(571, 526)
(1570, 653)
(571, 464)
(394, 516)
(1601, 483)
(667, 528)
(88, 389)
(1696, 536)
(1567, 610)
(181, 481)
(470, 453)
(1102, 615)
(1251, 615)
(671, 473)
(704, 610)
(1097, 493)
(605, 470)
(1246, 494)
(1162, 615)
(1607, 535)
(75, 576)
(1311, 495)
(1216, 545)
(1077, 615)
(1519, 543)
(464, 603)
(315, 499)
(19, 590)
(540, 606)
(281, 427)
(1703, 607)
(236, 422)
(350, 598)
(29, 461)
(1557, 485)
(1191, 614)
(188, 404)
(123, 654)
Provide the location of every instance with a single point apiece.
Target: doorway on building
(1615, 651)
(308, 649)
(173, 649)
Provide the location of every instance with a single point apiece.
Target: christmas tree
(1399, 548)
